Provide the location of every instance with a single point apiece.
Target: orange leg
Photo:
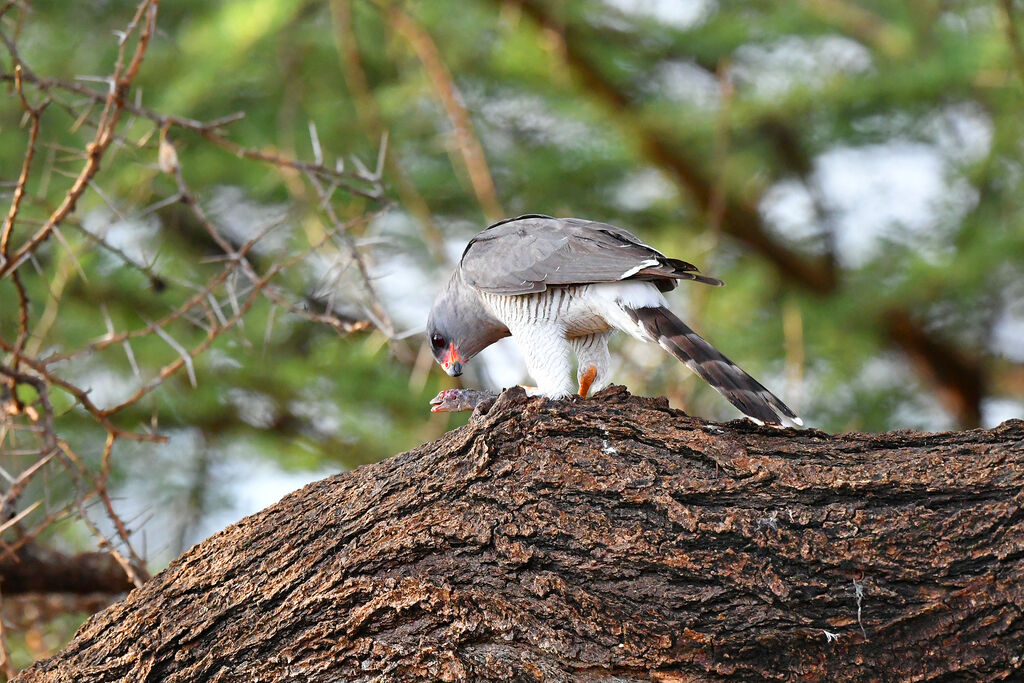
(586, 379)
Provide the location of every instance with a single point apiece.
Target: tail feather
(739, 388)
(668, 270)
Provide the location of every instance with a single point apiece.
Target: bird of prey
(565, 284)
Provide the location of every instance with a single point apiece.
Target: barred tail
(739, 388)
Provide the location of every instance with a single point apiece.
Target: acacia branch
(959, 379)
(211, 132)
(36, 459)
(113, 105)
(739, 219)
(35, 569)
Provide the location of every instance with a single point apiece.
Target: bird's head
(459, 327)
(447, 342)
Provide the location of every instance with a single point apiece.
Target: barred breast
(569, 307)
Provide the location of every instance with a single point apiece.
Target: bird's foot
(587, 379)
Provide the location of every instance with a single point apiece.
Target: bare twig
(188, 311)
(373, 121)
(466, 140)
(19, 189)
(121, 81)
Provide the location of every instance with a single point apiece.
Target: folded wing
(533, 252)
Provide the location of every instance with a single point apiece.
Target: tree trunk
(604, 539)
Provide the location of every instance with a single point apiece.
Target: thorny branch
(120, 81)
(46, 474)
(353, 182)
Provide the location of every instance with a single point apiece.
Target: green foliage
(551, 146)
(807, 79)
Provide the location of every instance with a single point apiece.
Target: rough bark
(604, 539)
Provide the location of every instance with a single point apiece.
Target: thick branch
(602, 539)
(34, 569)
(960, 380)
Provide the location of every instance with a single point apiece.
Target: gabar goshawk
(565, 284)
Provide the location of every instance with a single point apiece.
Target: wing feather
(533, 252)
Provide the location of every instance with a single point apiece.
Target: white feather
(608, 299)
(634, 293)
(633, 271)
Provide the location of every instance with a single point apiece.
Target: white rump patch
(631, 293)
(633, 271)
(608, 300)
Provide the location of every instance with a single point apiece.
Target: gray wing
(531, 253)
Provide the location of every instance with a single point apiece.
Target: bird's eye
(437, 341)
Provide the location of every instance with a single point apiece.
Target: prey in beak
(459, 400)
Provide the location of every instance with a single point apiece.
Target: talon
(586, 379)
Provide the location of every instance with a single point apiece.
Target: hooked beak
(452, 363)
